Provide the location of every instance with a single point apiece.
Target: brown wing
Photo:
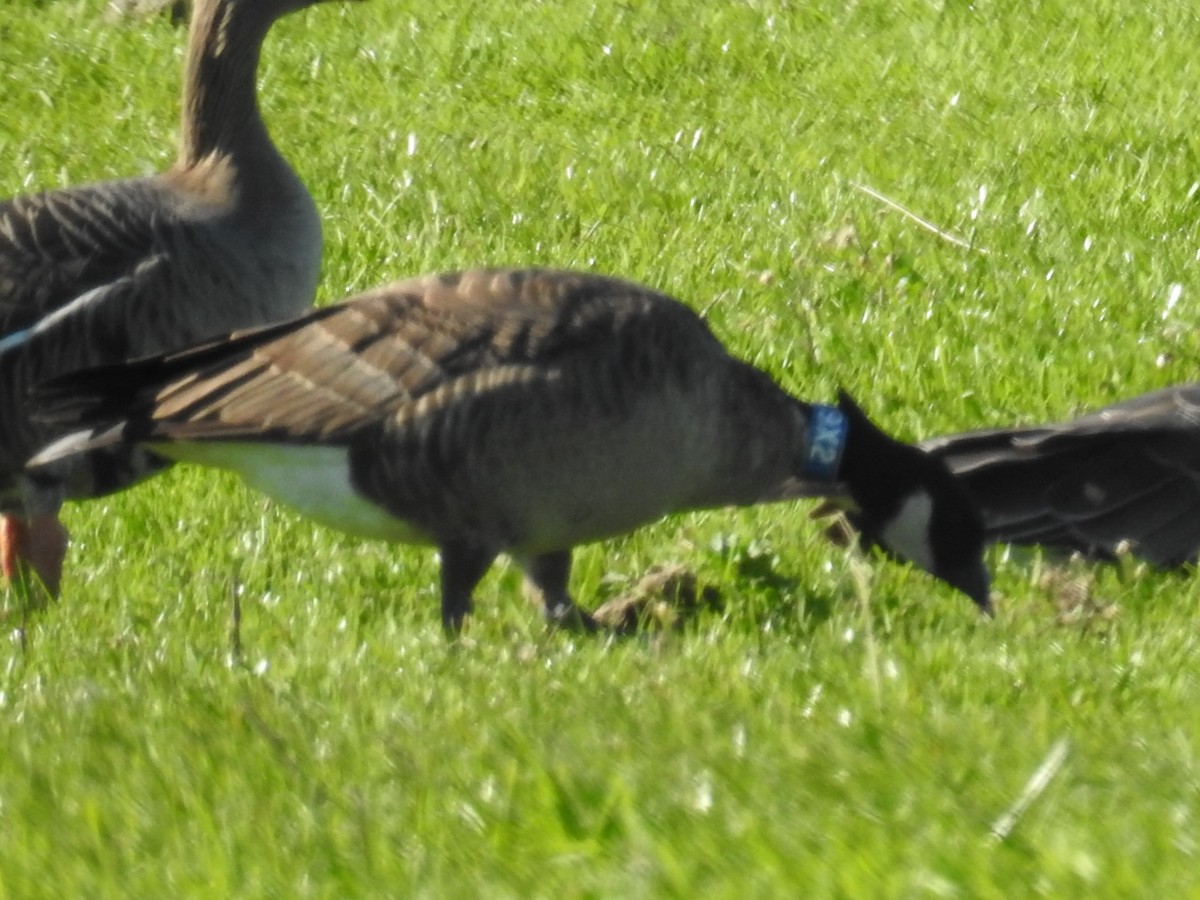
(408, 348)
(58, 245)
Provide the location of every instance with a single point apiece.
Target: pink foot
(12, 540)
(34, 546)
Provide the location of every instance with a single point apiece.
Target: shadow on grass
(749, 583)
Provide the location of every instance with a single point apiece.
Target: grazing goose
(227, 238)
(1127, 475)
(513, 411)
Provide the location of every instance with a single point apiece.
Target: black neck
(876, 468)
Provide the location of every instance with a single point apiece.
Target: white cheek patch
(907, 534)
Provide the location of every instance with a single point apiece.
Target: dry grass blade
(923, 222)
(1034, 788)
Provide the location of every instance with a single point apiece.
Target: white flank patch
(908, 532)
(312, 479)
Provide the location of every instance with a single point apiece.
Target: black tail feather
(1125, 477)
(93, 398)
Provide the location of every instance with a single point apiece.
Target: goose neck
(220, 104)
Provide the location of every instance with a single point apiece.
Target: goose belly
(312, 479)
(581, 482)
(559, 513)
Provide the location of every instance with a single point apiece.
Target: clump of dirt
(666, 597)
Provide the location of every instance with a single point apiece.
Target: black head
(909, 503)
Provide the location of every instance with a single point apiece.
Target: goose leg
(33, 546)
(548, 575)
(463, 566)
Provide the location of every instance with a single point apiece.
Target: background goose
(1126, 475)
(228, 237)
(514, 411)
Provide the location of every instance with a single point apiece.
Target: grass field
(846, 727)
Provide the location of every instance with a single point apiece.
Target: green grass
(845, 727)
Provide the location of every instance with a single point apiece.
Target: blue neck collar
(827, 427)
